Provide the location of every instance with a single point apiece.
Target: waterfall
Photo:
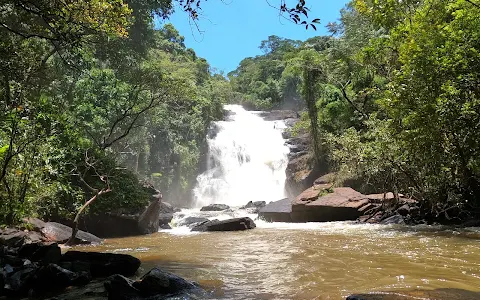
(247, 158)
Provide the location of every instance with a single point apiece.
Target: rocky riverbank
(323, 202)
(39, 270)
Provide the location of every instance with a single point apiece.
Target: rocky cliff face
(301, 169)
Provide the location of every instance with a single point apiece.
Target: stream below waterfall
(247, 161)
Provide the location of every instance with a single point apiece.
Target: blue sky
(233, 29)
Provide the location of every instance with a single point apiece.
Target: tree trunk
(71, 241)
(310, 99)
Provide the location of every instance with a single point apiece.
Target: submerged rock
(215, 207)
(235, 224)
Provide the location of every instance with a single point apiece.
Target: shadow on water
(434, 231)
(438, 294)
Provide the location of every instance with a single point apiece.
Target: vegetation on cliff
(392, 97)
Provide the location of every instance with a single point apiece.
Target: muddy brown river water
(314, 260)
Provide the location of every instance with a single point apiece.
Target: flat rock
(342, 204)
(235, 224)
(12, 237)
(215, 207)
(59, 233)
(277, 211)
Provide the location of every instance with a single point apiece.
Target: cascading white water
(247, 161)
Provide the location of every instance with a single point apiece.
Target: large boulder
(120, 224)
(157, 281)
(148, 222)
(20, 281)
(235, 224)
(121, 288)
(318, 204)
(13, 237)
(156, 284)
(166, 207)
(164, 219)
(59, 233)
(40, 252)
(52, 276)
(215, 207)
(104, 264)
(277, 211)
(107, 225)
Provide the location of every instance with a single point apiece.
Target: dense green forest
(94, 96)
(392, 98)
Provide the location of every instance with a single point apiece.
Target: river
(247, 161)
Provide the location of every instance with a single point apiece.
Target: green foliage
(392, 98)
(259, 81)
(421, 137)
(93, 81)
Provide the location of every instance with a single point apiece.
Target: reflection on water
(313, 260)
